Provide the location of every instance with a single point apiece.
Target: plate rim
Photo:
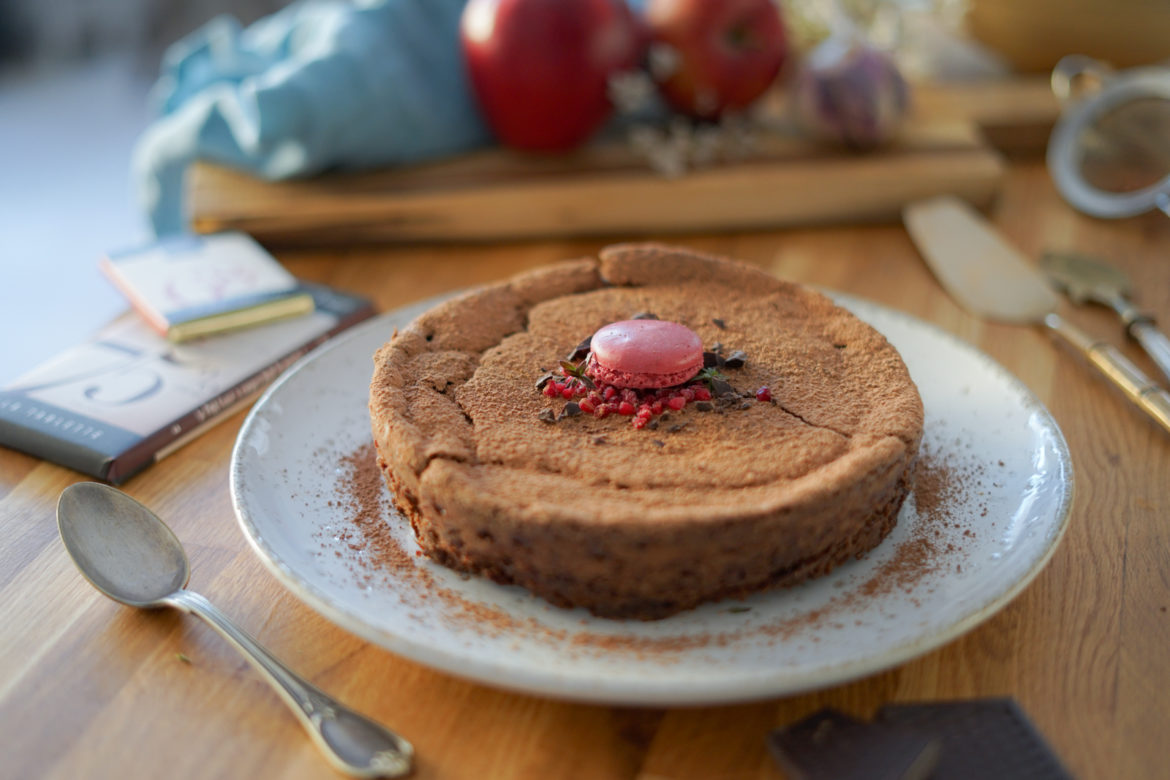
(699, 691)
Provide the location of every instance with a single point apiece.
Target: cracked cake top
(456, 389)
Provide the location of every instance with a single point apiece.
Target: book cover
(189, 286)
(126, 398)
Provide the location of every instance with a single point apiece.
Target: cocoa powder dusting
(941, 486)
(381, 554)
(934, 486)
(363, 494)
(362, 491)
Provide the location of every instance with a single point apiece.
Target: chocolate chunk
(736, 359)
(664, 417)
(572, 409)
(704, 406)
(599, 440)
(658, 443)
(547, 415)
(644, 315)
(719, 323)
(829, 745)
(544, 380)
(980, 738)
(721, 387)
(746, 405)
(839, 346)
(676, 427)
(717, 346)
(581, 351)
(712, 360)
(653, 424)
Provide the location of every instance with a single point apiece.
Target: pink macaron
(645, 353)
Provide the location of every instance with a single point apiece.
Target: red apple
(722, 54)
(540, 68)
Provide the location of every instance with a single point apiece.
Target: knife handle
(1153, 341)
(1152, 399)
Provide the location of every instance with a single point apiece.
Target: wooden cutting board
(608, 190)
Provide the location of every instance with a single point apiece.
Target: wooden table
(92, 689)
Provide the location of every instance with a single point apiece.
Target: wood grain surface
(92, 689)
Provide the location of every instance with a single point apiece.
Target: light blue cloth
(322, 84)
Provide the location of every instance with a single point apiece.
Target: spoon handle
(353, 743)
(1154, 341)
(1117, 368)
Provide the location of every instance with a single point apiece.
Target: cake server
(1086, 279)
(129, 554)
(990, 278)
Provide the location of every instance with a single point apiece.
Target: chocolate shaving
(644, 315)
(658, 443)
(546, 415)
(676, 427)
(599, 440)
(719, 323)
(704, 406)
(720, 388)
(736, 359)
(544, 380)
(746, 405)
(581, 351)
(572, 409)
(712, 360)
(717, 347)
(653, 424)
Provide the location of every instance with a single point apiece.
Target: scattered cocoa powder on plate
(362, 497)
(381, 554)
(935, 486)
(363, 493)
(940, 486)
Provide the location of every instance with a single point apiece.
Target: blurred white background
(74, 81)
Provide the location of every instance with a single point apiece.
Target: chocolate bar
(946, 740)
(979, 738)
(830, 745)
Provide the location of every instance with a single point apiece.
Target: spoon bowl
(131, 555)
(120, 546)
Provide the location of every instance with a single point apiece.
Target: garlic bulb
(850, 93)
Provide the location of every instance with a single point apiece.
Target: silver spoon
(130, 555)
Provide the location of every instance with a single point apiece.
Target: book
(190, 286)
(124, 399)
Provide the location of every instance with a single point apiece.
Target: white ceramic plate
(1002, 488)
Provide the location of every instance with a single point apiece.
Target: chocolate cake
(800, 460)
